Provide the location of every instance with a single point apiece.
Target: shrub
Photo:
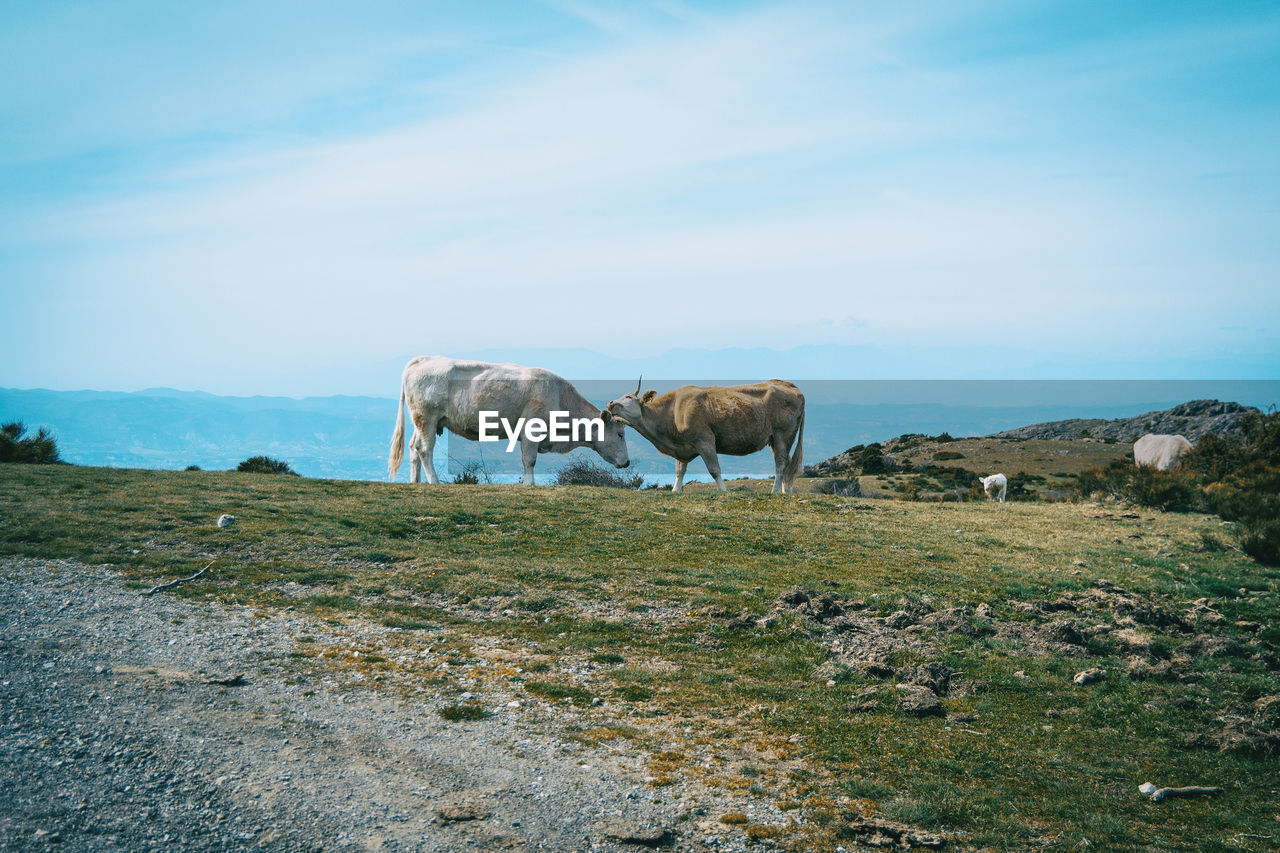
(607, 657)
(1019, 485)
(872, 460)
(464, 713)
(265, 465)
(840, 487)
(1105, 480)
(1213, 457)
(952, 477)
(1261, 540)
(584, 473)
(472, 473)
(1173, 490)
(945, 455)
(192, 468)
(38, 449)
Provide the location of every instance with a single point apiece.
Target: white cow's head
(613, 447)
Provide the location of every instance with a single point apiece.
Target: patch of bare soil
(158, 723)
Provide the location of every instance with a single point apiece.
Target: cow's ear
(606, 415)
(648, 395)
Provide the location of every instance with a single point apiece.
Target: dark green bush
(1019, 486)
(464, 713)
(951, 477)
(39, 449)
(1173, 490)
(1107, 480)
(1213, 457)
(1261, 540)
(265, 465)
(940, 483)
(872, 460)
(584, 473)
(840, 487)
(946, 455)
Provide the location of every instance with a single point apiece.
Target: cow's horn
(638, 381)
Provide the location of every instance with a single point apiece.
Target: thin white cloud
(722, 183)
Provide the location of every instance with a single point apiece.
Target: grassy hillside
(1051, 465)
(1035, 456)
(1057, 462)
(680, 613)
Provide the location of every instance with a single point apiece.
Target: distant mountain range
(348, 437)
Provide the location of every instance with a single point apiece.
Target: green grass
(574, 571)
(464, 713)
(549, 690)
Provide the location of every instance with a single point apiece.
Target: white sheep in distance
(995, 486)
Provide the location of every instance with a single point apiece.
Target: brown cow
(739, 419)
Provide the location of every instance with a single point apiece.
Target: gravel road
(117, 736)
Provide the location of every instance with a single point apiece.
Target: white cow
(995, 486)
(446, 393)
(1161, 452)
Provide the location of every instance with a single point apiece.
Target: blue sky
(292, 198)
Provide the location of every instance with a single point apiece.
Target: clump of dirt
(877, 832)
(1258, 734)
(1162, 637)
(1238, 734)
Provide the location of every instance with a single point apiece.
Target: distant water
(349, 437)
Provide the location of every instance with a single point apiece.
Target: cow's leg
(1002, 491)
(780, 459)
(713, 466)
(681, 467)
(426, 454)
(529, 458)
(415, 466)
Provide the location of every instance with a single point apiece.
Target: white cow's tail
(797, 458)
(397, 439)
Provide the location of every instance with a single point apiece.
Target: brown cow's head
(628, 408)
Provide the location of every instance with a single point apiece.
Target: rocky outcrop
(1193, 420)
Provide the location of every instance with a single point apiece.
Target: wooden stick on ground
(156, 589)
(1167, 793)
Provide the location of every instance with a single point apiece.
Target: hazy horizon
(348, 437)
(738, 364)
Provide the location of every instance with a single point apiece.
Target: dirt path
(114, 737)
